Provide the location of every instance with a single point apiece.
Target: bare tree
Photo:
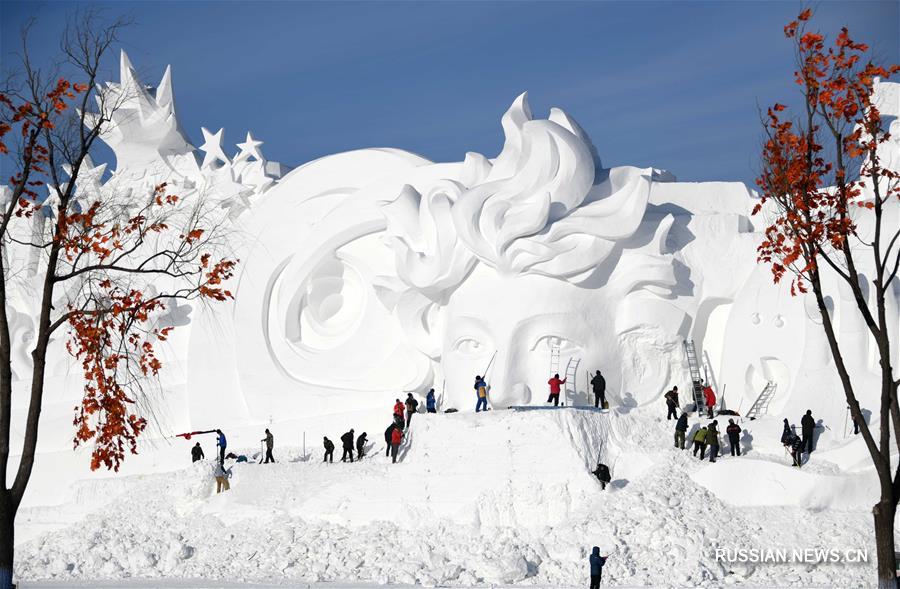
(829, 207)
(101, 262)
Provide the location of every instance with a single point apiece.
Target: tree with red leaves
(826, 195)
(103, 264)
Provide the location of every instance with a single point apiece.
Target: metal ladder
(554, 357)
(761, 404)
(696, 384)
(571, 374)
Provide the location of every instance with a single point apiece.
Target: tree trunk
(884, 512)
(7, 531)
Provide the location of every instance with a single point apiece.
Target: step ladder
(690, 353)
(554, 357)
(761, 405)
(571, 375)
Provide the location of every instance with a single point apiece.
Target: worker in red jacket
(396, 438)
(710, 398)
(398, 413)
(555, 385)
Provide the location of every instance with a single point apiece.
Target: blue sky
(669, 84)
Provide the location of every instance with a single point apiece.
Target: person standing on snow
(430, 403)
(712, 439)
(700, 442)
(481, 391)
(598, 384)
(672, 403)
(710, 398)
(797, 450)
(396, 438)
(681, 427)
(347, 441)
(221, 443)
(222, 475)
(734, 431)
(807, 425)
(270, 443)
(361, 445)
(712, 435)
(597, 563)
(388, 433)
(197, 453)
(329, 449)
(412, 405)
(787, 434)
(555, 386)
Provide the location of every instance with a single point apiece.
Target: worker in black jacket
(387, 438)
(329, 449)
(734, 431)
(347, 441)
(598, 384)
(361, 445)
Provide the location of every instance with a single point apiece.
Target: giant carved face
(544, 252)
(521, 319)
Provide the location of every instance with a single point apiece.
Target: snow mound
(503, 497)
(781, 484)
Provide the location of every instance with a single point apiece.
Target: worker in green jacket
(700, 442)
(712, 440)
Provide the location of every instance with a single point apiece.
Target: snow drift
(501, 497)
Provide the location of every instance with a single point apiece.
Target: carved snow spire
(164, 96)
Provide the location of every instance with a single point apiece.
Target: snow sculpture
(375, 271)
(151, 147)
(415, 273)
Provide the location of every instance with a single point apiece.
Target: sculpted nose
(507, 380)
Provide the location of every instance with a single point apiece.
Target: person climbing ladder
(710, 398)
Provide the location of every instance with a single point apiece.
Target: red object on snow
(710, 396)
(398, 409)
(396, 436)
(187, 436)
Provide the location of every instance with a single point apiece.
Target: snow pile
(504, 497)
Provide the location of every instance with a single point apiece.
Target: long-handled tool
(484, 376)
(187, 436)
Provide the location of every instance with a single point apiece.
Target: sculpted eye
(469, 345)
(548, 342)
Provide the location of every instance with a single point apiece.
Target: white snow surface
(498, 498)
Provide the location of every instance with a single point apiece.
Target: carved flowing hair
(544, 206)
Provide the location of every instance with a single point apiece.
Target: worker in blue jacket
(430, 403)
(221, 443)
(481, 390)
(597, 563)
